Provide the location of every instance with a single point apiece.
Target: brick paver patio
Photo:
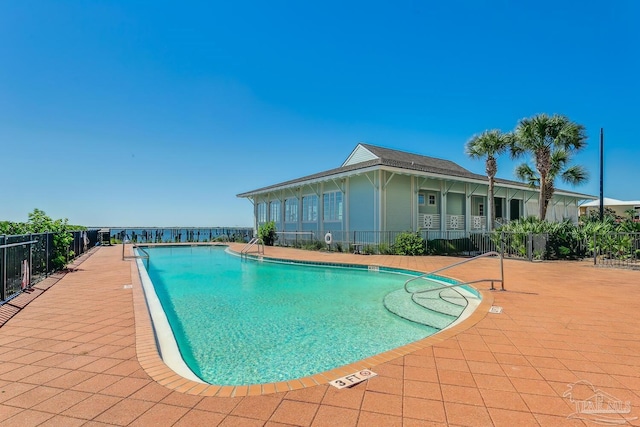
(81, 354)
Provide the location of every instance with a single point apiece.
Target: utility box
(104, 236)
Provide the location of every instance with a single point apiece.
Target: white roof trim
(407, 172)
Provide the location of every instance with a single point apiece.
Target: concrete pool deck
(77, 355)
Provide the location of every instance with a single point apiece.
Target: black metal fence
(181, 235)
(34, 254)
(460, 243)
(615, 250)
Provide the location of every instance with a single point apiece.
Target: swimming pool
(240, 322)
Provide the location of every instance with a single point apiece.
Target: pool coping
(152, 363)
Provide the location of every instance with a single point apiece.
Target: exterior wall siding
(455, 204)
(362, 204)
(360, 155)
(427, 208)
(476, 201)
(398, 203)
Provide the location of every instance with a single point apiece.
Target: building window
(432, 199)
(262, 212)
(291, 210)
(274, 211)
(332, 206)
(481, 209)
(310, 208)
(420, 199)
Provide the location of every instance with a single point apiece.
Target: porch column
(443, 206)
(345, 201)
(467, 209)
(255, 216)
(489, 211)
(321, 210)
(299, 197)
(414, 205)
(508, 207)
(380, 201)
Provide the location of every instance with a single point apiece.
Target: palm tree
(551, 141)
(488, 145)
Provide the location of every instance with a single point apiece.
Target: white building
(378, 189)
(620, 207)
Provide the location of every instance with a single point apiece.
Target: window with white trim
(291, 210)
(481, 209)
(432, 199)
(421, 199)
(262, 212)
(332, 206)
(274, 211)
(310, 208)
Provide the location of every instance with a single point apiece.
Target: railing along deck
(487, 254)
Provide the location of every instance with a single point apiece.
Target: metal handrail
(10, 245)
(145, 256)
(484, 255)
(251, 243)
(296, 232)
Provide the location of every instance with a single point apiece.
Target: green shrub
(451, 247)
(368, 250)
(409, 244)
(267, 233)
(314, 245)
(385, 249)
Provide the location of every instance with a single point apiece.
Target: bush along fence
(606, 248)
(28, 258)
(426, 242)
(616, 250)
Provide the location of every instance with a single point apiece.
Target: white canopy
(611, 202)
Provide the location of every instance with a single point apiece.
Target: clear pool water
(245, 322)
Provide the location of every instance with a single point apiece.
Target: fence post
(3, 289)
(595, 254)
(530, 246)
(502, 243)
(30, 260)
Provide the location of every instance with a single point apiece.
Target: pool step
(454, 297)
(400, 303)
(446, 301)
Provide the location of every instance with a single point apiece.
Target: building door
(498, 204)
(514, 209)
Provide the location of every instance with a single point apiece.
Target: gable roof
(367, 156)
(407, 160)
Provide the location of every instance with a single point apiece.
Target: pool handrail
(254, 241)
(484, 255)
(145, 254)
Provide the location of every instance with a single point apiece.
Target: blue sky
(158, 113)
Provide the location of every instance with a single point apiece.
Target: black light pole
(601, 174)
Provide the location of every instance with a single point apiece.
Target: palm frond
(525, 173)
(488, 143)
(559, 160)
(575, 175)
